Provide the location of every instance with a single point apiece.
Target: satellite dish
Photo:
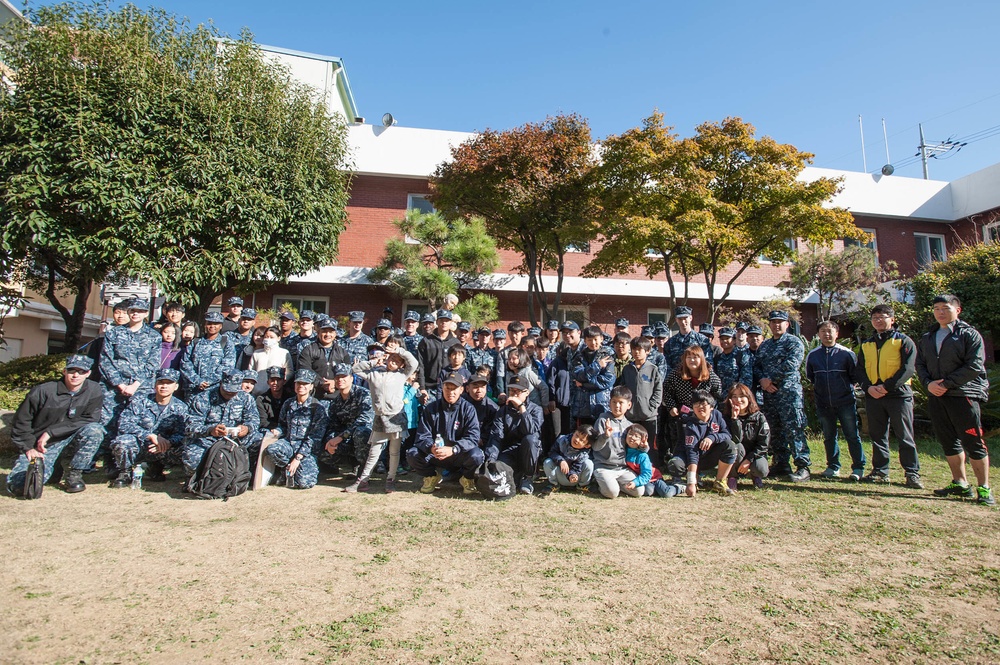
(388, 120)
(888, 170)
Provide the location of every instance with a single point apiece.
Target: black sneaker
(74, 481)
(801, 475)
(913, 481)
(778, 471)
(154, 473)
(122, 480)
(876, 477)
(956, 489)
(984, 496)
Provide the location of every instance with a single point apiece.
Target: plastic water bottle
(438, 441)
(137, 473)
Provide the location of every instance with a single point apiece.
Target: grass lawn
(818, 572)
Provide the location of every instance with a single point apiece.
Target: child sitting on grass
(705, 442)
(608, 447)
(569, 464)
(648, 481)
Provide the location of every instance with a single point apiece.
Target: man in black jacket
(432, 353)
(515, 438)
(322, 356)
(950, 363)
(57, 416)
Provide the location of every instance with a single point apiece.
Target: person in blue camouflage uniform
(754, 336)
(356, 343)
(300, 429)
(151, 429)
(658, 335)
(685, 337)
(129, 360)
(212, 412)
(206, 358)
(350, 420)
(287, 338)
(481, 353)
(298, 340)
(732, 364)
(776, 369)
(553, 333)
(242, 336)
(411, 333)
(464, 334)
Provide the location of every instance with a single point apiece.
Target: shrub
(17, 376)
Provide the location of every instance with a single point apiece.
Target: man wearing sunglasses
(56, 417)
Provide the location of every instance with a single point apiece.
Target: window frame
(927, 236)
(278, 300)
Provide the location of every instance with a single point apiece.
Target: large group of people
(564, 407)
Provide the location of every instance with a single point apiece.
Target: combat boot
(74, 481)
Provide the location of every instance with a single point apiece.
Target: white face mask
(270, 343)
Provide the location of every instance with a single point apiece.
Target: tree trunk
(73, 320)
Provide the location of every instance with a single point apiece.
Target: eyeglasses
(76, 370)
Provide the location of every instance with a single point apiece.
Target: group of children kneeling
(615, 452)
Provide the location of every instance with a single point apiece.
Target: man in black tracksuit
(950, 363)
(515, 438)
(432, 352)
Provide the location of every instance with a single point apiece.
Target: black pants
(957, 425)
(522, 457)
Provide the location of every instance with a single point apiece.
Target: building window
(790, 243)
(419, 306)
(419, 202)
(654, 316)
(991, 233)
(578, 313)
(317, 305)
(930, 248)
(872, 244)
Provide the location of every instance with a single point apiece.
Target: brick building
(912, 222)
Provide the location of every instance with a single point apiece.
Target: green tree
(534, 188)
(136, 144)
(842, 281)
(439, 256)
(713, 204)
(973, 274)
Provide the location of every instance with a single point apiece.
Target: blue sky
(802, 71)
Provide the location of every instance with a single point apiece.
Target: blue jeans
(847, 415)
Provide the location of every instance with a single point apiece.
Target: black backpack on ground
(495, 480)
(224, 472)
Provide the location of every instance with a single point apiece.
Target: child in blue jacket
(648, 481)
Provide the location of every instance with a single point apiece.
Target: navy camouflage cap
(534, 331)
(742, 325)
(214, 317)
(621, 323)
(248, 313)
(384, 323)
(455, 379)
(235, 301)
(445, 314)
(607, 339)
(324, 322)
(777, 315)
(305, 376)
(275, 372)
(307, 314)
(465, 326)
(355, 316)
(707, 329)
(570, 325)
(341, 369)
(484, 331)
(682, 311)
(499, 334)
(411, 316)
(647, 331)
(727, 332)
(232, 380)
(661, 332)
(250, 375)
(428, 318)
(79, 361)
(139, 304)
(552, 325)
(290, 316)
(168, 374)
(754, 330)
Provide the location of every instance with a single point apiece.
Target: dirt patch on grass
(819, 572)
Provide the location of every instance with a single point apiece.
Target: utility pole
(923, 151)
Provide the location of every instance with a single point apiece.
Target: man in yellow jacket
(886, 363)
